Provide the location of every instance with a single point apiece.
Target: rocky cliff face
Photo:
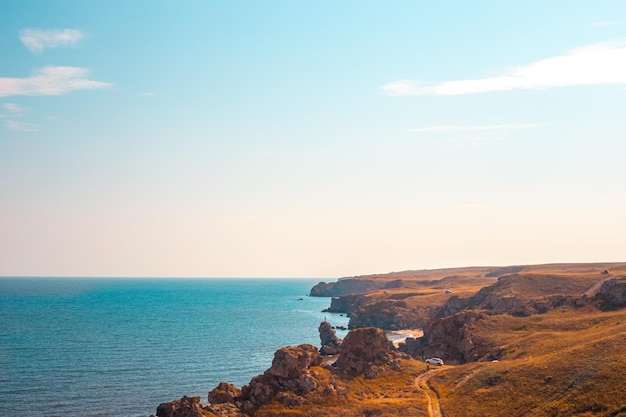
(347, 303)
(518, 295)
(452, 339)
(348, 286)
(612, 294)
(391, 315)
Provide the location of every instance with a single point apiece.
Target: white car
(434, 361)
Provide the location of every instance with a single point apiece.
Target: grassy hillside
(563, 363)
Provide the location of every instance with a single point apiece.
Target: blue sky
(309, 139)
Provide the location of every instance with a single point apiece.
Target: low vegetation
(525, 341)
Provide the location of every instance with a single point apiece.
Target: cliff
(347, 286)
(531, 342)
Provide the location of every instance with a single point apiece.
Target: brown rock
(329, 339)
(451, 338)
(361, 349)
(224, 393)
(185, 407)
(293, 361)
(286, 380)
(612, 294)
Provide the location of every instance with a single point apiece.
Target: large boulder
(329, 339)
(293, 361)
(224, 393)
(185, 407)
(361, 350)
(287, 380)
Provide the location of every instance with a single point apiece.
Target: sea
(87, 347)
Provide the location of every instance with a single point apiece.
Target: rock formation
(361, 350)
(286, 380)
(347, 286)
(224, 393)
(451, 339)
(612, 294)
(329, 339)
(185, 407)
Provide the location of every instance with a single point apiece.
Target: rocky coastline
(453, 311)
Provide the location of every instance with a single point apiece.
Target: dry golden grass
(567, 362)
(563, 363)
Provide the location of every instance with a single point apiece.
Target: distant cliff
(349, 286)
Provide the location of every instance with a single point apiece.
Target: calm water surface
(119, 347)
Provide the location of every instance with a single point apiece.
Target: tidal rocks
(361, 350)
(329, 339)
(185, 407)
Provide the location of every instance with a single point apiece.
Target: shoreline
(399, 336)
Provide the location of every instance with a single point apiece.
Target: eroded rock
(361, 350)
(612, 294)
(224, 393)
(329, 339)
(285, 381)
(185, 407)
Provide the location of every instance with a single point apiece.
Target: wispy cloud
(36, 40)
(603, 23)
(20, 126)
(13, 109)
(602, 63)
(466, 129)
(50, 81)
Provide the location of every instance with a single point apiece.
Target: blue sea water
(119, 347)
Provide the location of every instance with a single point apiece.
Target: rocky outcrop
(185, 407)
(329, 339)
(612, 294)
(348, 286)
(391, 315)
(224, 393)
(346, 304)
(451, 338)
(285, 381)
(362, 351)
(519, 295)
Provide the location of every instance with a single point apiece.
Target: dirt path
(421, 382)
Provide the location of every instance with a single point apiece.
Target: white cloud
(602, 63)
(20, 126)
(465, 129)
(36, 40)
(50, 81)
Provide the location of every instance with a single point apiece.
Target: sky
(309, 138)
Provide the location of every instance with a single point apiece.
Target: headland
(527, 340)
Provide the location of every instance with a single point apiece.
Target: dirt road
(421, 382)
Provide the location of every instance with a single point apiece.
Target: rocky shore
(462, 317)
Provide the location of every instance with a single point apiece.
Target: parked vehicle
(434, 361)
